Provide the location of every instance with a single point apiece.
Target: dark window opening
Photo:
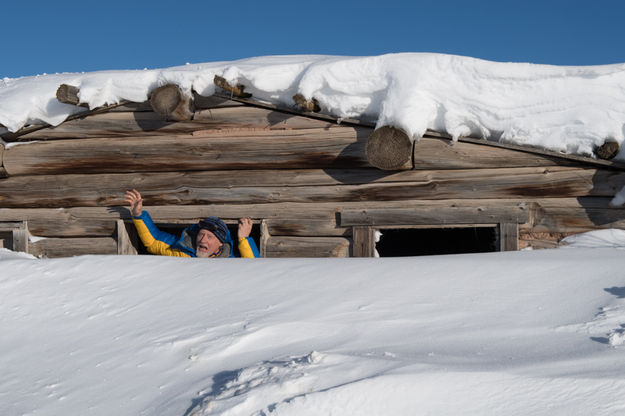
(433, 241)
(176, 229)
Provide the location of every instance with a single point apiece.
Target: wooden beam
(508, 236)
(312, 148)
(3, 172)
(20, 240)
(389, 148)
(125, 245)
(363, 244)
(171, 103)
(305, 227)
(439, 153)
(307, 247)
(306, 186)
(529, 149)
(264, 236)
(68, 247)
(148, 123)
(435, 215)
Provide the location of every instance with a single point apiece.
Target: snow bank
(610, 238)
(512, 333)
(567, 109)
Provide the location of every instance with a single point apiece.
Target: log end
(171, 103)
(306, 105)
(389, 148)
(608, 150)
(68, 94)
(236, 90)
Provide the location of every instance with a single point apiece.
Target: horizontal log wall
(307, 179)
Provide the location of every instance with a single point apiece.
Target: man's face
(206, 243)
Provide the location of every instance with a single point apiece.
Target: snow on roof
(568, 109)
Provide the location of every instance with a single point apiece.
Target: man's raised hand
(133, 198)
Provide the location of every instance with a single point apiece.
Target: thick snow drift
(516, 333)
(567, 109)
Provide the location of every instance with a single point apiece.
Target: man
(209, 238)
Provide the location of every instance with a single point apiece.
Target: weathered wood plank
(252, 187)
(508, 236)
(3, 172)
(310, 148)
(563, 219)
(438, 153)
(363, 244)
(20, 240)
(12, 225)
(142, 123)
(264, 236)
(68, 247)
(125, 245)
(438, 215)
(305, 227)
(529, 149)
(307, 247)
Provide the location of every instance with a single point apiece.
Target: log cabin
(316, 186)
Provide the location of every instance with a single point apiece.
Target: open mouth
(202, 247)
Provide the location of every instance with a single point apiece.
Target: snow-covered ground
(516, 333)
(570, 109)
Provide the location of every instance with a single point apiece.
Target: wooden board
(148, 123)
(439, 153)
(435, 215)
(314, 186)
(508, 236)
(307, 247)
(125, 244)
(263, 149)
(363, 242)
(68, 247)
(306, 227)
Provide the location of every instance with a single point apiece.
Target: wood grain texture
(439, 153)
(310, 148)
(307, 247)
(389, 148)
(307, 186)
(68, 247)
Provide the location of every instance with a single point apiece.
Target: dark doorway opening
(176, 229)
(433, 241)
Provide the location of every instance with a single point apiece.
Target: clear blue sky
(72, 36)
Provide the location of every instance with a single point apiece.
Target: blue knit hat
(215, 226)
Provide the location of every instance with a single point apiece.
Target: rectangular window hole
(434, 241)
